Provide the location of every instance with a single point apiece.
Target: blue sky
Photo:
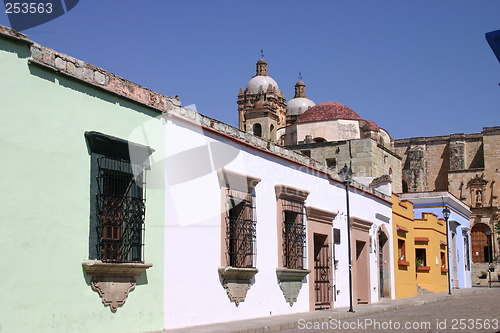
(416, 68)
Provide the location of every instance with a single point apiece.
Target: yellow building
(430, 252)
(404, 250)
(419, 250)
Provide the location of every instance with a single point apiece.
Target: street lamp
(346, 177)
(488, 234)
(446, 214)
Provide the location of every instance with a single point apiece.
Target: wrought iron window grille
(120, 211)
(240, 229)
(294, 233)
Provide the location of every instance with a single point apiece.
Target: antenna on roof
(300, 76)
(261, 53)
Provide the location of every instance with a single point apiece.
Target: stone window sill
(229, 272)
(113, 281)
(237, 281)
(403, 263)
(423, 268)
(290, 281)
(98, 267)
(287, 274)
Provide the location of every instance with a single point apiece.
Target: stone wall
(466, 165)
(368, 158)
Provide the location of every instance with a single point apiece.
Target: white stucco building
(253, 229)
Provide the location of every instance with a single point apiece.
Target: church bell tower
(262, 105)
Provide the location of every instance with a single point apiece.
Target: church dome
(328, 111)
(299, 103)
(297, 106)
(261, 81)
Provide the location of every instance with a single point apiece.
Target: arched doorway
(479, 240)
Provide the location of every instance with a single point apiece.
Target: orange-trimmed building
(404, 253)
(430, 249)
(419, 250)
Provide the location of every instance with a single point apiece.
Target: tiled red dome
(373, 126)
(328, 111)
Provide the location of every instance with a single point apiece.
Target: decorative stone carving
(290, 281)
(415, 170)
(113, 289)
(113, 281)
(477, 186)
(457, 155)
(237, 281)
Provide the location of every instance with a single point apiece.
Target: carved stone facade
(466, 165)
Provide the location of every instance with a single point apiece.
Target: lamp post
(346, 177)
(488, 234)
(446, 214)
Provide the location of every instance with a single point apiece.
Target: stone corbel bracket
(290, 281)
(113, 281)
(237, 281)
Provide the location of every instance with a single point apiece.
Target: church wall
(333, 130)
(386, 163)
(463, 157)
(425, 163)
(325, 130)
(474, 154)
(368, 158)
(437, 166)
(491, 142)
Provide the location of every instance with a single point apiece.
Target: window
(117, 216)
(421, 260)
(402, 258)
(238, 233)
(294, 233)
(240, 229)
(291, 240)
(306, 152)
(118, 199)
(443, 263)
(257, 130)
(239, 221)
(466, 251)
(120, 211)
(401, 249)
(331, 163)
(336, 236)
(291, 226)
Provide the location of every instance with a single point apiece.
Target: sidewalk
(283, 322)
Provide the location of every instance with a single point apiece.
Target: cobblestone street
(478, 312)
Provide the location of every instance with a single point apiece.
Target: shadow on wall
(90, 90)
(22, 51)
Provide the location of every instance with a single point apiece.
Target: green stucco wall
(45, 168)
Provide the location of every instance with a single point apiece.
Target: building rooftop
(328, 111)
